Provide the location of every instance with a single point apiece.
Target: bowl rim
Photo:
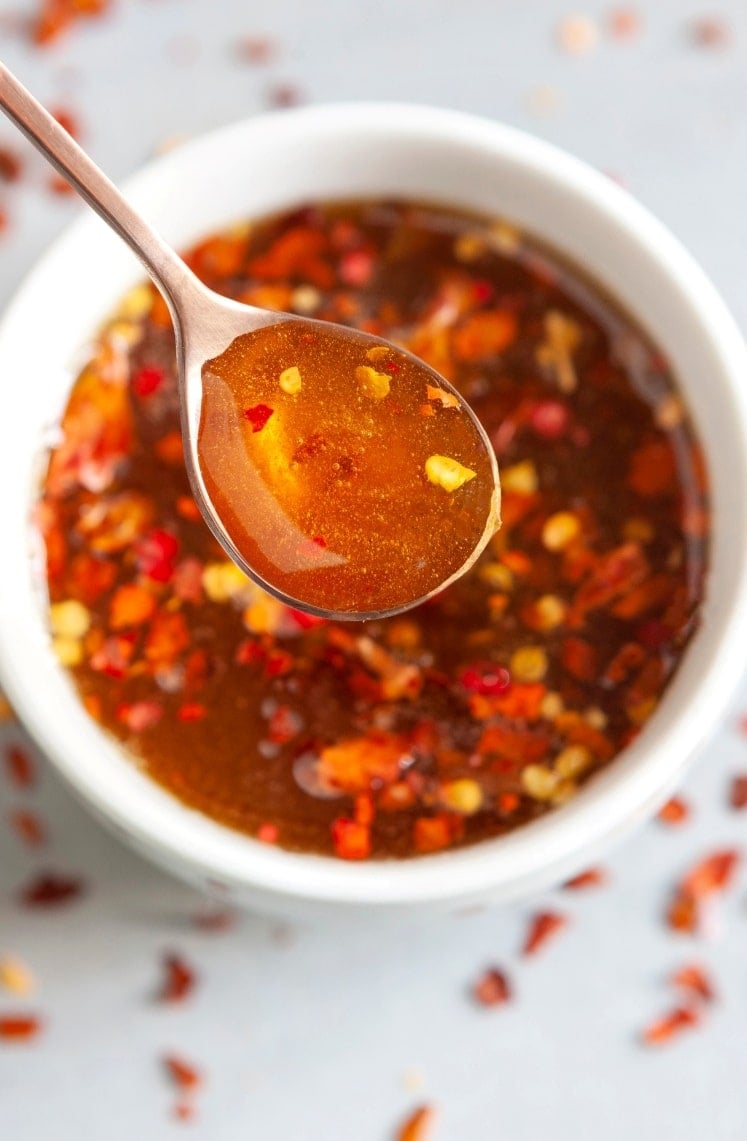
(605, 806)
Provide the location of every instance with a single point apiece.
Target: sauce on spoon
(345, 471)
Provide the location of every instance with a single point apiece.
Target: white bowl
(272, 162)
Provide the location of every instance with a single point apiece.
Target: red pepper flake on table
(709, 877)
(187, 1079)
(543, 927)
(676, 811)
(419, 1125)
(50, 889)
(54, 18)
(472, 715)
(19, 1027)
(492, 988)
(179, 979)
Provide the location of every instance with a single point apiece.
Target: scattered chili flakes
(593, 877)
(419, 1124)
(50, 889)
(19, 767)
(19, 1027)
(55, 17)
(29, 827)
(694, 981)
(671, 1025)
(675, 811)
(258, 416)
(11, 166)
(492, 988)
(542, 927)
(738, 793)
(179, 979)
(147, 380)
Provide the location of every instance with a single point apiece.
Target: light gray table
(308, 1035)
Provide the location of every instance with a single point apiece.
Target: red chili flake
(139, 716)
(625, 23)
(284, 95)
(675, 811)
(593, 877)
(19, 1027)
(250, 653)
(483, 291)
(179, 979)
(147, 380)
(579, 659)
(541, 928)
(713, 874)
(671, 1025)
(351, 841)
(508, 802)
(418, 1125)
(710, 32)
(19, 767)
(184, 1111)
(709, 877)
(738, 794)
(485, 678)
(549, 419)
(214, 920)
(258, 416)
(693, 979)
(3, 221)
(60, 186)
(256, 49)
(304, 620)
(364, 809)
(356, 267)
(29, 827)
(278, 663)
(49, 889)
(156, 553)
(492, 989)
(191, 711)
(283, 725)
(10, 165)
(182, 1073)
(68, 121)
(268, 833)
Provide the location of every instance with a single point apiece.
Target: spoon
(338, 471)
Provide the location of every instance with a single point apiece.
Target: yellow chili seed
(520, 478)
(373, 384)
(469, 247)
(551, 706)
(496, 576)
(463, 796)
(550, 611)
(565, 790)
(560, 530)
(596, 717)
(637, 531)
(16, 977)
(290, 380)
(224, 581)
(528, 664)
(305, 299)
(447, 473)
(640, 711)
(573, 761)
(68, 651)
(137, 303)
(539, 781)
(70, 619)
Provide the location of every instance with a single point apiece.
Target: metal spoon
(206, 325)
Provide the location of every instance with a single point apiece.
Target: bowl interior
(264, 165)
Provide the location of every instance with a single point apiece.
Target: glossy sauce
(484, 708)
(344, 474)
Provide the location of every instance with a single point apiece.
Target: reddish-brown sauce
(344, 475)
(480, 710)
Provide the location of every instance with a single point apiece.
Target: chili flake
(258, 416)
(671, 1025)
(179, 979)
(419, 1125)
(542, 928)
(492, 989)
(19, 1027)
(49, 889)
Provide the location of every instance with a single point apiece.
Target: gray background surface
(329, 1035)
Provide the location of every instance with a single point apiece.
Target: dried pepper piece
(738, 792)
(50, 889)
(19, 766)
(711, 876)
(694, 981)
(592, 877)
(29, 827)
(19, 1027)
(542, 927)
(258, 416)
(179, 979)
(675, 811)
(351, 840)
(671, 1025)
(492, 988)
(10, 165)
(419, 1124)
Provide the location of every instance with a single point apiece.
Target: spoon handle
(165, 266)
